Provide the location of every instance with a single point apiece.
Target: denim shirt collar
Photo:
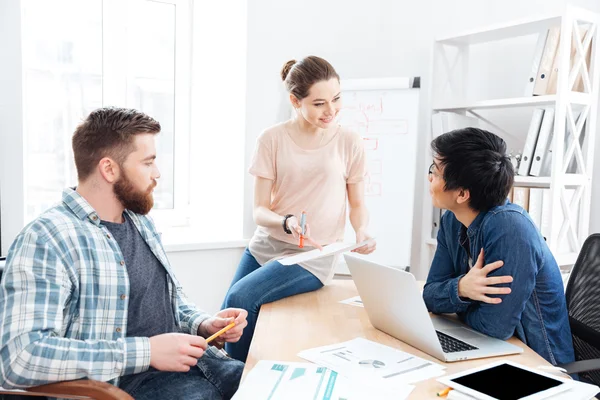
(472, 230)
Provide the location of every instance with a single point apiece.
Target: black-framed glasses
(431, 170)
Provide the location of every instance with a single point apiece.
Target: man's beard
(132, 199)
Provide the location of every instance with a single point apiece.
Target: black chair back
(583, 303)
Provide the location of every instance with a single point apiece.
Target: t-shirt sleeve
(357, 162)
(262, 164)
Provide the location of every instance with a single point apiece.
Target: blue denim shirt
(535, 310)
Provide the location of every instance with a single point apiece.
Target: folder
(553, 79)
(530, 141)
(536, 199)
(535, 65)
(521, 197)
(543, 141)
(550, 49)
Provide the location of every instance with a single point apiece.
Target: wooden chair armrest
(83, 387)
(77, 389)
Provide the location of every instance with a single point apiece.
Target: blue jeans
(254, 286)
(212, 378)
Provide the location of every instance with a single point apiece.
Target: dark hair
(299, 76)
(108, 132)
(476, 160)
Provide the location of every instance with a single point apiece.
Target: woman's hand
(368, 248)
(294, 226)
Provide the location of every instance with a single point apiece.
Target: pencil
(444, 392)
(302, 225)
(219, 333)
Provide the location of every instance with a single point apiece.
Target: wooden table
(316, 319)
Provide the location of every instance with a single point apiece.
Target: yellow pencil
(444, 392)
(219, 333)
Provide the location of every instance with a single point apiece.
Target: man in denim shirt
(492, 266)
(88, 291)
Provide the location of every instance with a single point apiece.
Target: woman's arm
(262, 213)
(359, 216)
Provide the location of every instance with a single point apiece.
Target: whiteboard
(385, 113)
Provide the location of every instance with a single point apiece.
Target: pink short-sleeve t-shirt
(313, 180)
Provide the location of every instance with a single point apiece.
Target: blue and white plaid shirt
(64, 299)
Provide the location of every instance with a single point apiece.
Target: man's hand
(475, 285)
(294, 226)
(220, 320)
(368, 248)
(175, 352)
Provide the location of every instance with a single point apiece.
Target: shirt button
(123, 297)
(108, 236)
(118, 330)
(94, 217)
(122, 262)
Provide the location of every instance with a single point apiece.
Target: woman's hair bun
(286, 69)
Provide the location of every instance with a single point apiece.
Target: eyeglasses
(431, 171)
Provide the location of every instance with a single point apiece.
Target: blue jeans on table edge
(253, 286)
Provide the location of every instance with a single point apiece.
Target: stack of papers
(365, 361)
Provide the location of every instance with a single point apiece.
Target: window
(132, 53)
(181, 61)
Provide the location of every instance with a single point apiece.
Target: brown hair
(299, 76)
(108, 132)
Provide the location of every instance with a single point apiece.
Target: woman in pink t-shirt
(310, 164)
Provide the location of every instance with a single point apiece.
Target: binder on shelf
(540, 86)
(553, 79)
(546, 164)
(536, 199)
(543, 141)
(530, 141)
(537, 59)
(521, 197)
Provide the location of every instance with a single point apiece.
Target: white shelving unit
(450, 83)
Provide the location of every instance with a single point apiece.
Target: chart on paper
(279, 380)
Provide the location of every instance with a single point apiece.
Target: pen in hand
(219, 333)
(302, 226)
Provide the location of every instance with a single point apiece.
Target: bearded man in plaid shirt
(88, 291)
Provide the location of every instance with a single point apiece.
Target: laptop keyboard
(453, 345)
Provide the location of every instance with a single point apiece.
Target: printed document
(366, 361)
(280, 380)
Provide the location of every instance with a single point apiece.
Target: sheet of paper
(329, 250)
(366, 361)
(280, 380)
(353, 301)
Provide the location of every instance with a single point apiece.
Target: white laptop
(395, 305)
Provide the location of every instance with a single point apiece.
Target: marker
(302, 226)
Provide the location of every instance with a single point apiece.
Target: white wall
(205, 275)
(379, 38)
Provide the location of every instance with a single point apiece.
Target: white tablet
(506, 380)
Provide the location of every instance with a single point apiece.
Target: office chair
(77, 389)
(583, 304)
